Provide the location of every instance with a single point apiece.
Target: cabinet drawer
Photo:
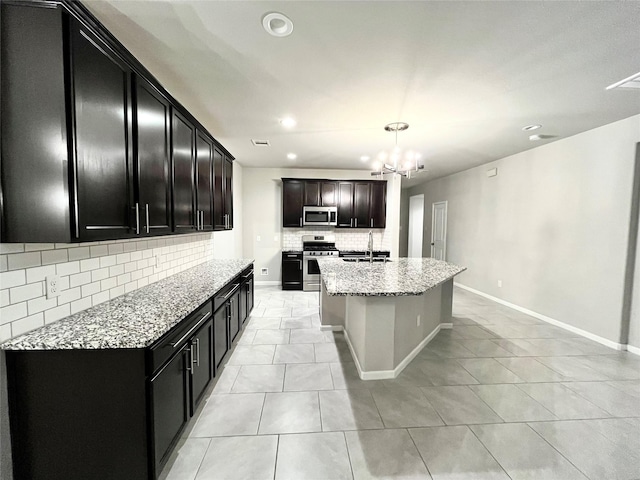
(225, 294)
(172, 341)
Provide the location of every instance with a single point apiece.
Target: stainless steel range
(315, 246)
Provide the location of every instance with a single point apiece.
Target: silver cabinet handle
(300, 221)
(201, 219)
(146, 208)
(356, 223)
(195, 327)
(300, 264)
(191, 358)
(372, 223)
(233, 290)
(197, 352)
(351, 223)
(198, 224)
(137, 219)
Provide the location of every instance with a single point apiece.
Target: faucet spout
(370, 246)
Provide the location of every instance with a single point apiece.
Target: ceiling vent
(630, 82)
(260, 143)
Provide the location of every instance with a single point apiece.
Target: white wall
(553, 226)
(228, 244)
(634, 322)
(262, 214)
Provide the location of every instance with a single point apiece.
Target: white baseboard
(275, 283)
(387, 374)
(331, 328)
(596, 338)
(634, 350)
(446, 326)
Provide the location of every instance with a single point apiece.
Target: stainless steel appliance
(319, 216)
(314, 246)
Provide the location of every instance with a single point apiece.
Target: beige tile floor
(501, 395)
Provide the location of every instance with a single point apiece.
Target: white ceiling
(466, 75)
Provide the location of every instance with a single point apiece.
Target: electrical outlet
(418, 321)
(264, 271)
(499, 283)
(53, 286)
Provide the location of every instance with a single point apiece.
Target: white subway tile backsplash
(68, 268)
(12, 279)
(11, 247)
(25, 324)
(80, 305)
(38, 274)
(41, 304)
(26, 292)
(4, 298)
(79, 253)
(49, 257)
(79, 279)
(90, 273)
(90, 289)
(89, 264)
(99, 274)
(69, 296)
(24, 260)
(57, 313)
(99, 298)
(13, 312)
(99, 250)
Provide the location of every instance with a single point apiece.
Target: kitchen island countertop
(137, 319)
(399, 276)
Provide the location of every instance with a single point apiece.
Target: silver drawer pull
(186, 335)
(235, 287)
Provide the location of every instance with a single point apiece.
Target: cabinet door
(361, 204)
(250, 295)
(244, 290)
(204, 181)
(292, 201)
(220, 335)
(169, 406)
(228, 191)
(202, 368)
(152, 167)
(218, 190)
(291, 271)
(329, 194)
(378, 204)
(102, 112)
(312, 193)
(183, 173)
(234, 316)
(345, 204)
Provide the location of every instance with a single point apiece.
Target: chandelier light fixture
(397, 162)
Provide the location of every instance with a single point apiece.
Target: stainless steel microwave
(314, 216)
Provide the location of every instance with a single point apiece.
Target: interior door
(439, 231)
(416, 220)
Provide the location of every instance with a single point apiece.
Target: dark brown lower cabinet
(246, 294)
(117, 413)
(292, 270)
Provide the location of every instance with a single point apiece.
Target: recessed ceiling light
(288, 122)
(365, 158)
(277, 24)
(528, 128)
(291, 156)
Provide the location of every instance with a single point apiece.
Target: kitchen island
(389, 311)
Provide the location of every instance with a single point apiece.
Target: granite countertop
(137, 319)
(399, 276)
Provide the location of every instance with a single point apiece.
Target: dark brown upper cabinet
(182, 160)
(102, 139)
(345, 204)
(312, 193)
(378, 212)
(90, 147)
(223, 191)
(328, 194)
(204, 181)
(152, 121)
(292, 202)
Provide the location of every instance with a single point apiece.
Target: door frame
(433, 221)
